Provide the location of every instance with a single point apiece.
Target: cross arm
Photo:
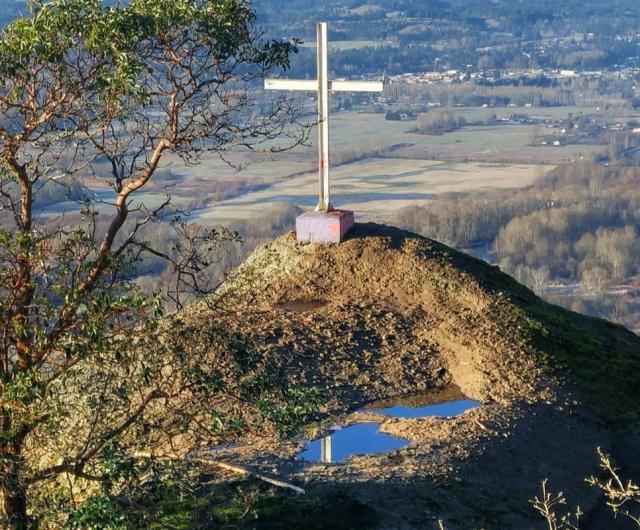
(311, 85)
(356, 86)
(291, 84)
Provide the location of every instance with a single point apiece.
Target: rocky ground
(388, 313)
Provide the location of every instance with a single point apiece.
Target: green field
(500, 142)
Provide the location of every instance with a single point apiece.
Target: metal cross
(323, 86)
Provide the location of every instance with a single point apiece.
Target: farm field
(490, 143)
(351, 44)
(375, 188)
(476, 113)
(351, 130)
(393, 167)
(363, 133)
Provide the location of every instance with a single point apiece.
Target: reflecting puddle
(445, 403)
(366, 438)
(357, 439)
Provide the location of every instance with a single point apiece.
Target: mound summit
(388, 313)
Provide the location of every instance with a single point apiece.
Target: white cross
(323, 86)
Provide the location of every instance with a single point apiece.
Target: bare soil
(388, 313)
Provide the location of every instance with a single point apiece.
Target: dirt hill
(388, 313)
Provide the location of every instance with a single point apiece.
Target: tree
(540, 278)
(103, 94)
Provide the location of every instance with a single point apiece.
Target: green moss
(253, 505)
(602, 359)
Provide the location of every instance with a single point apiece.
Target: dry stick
(484, 427)
(242, 470)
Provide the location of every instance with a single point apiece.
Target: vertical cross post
(325, 450)
(325, 225)
(324, 203)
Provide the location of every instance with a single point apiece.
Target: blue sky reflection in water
(440, 410)
(357, 439)
(366, 438)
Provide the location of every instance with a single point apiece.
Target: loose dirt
(388, 313)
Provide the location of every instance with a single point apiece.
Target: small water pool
(366, 439)
(442, 410)
(444, 403)
(357, 439)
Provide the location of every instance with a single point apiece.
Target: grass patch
(250, 505)
(602, 358)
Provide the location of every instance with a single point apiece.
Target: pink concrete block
(323, 227)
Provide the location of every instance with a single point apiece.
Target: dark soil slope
(388, 313)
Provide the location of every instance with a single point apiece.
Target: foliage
(97, 513)
(578, 223)
(547, 505)
(205, 501)
(97, 95)
(439, 122)
(622, 497)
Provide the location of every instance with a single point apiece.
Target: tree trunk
(12, 489)
(14, 504)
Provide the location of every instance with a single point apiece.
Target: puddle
(356, 439)
(302, 306)
(444, 403)
(443, 410)
(366, 438)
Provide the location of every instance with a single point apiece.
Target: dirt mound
(388, 312)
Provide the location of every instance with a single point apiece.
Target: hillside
(389, 313)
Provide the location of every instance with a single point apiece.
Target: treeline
(561, 222)
(470, 94)
(575, 242)
(580, 223)
(439, 122)
(463, 222)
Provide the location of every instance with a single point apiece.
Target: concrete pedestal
(323, 227)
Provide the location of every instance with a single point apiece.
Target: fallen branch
(484, 427)
(235, 468)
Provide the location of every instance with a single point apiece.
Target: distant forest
(414, 35)
(577, 225)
